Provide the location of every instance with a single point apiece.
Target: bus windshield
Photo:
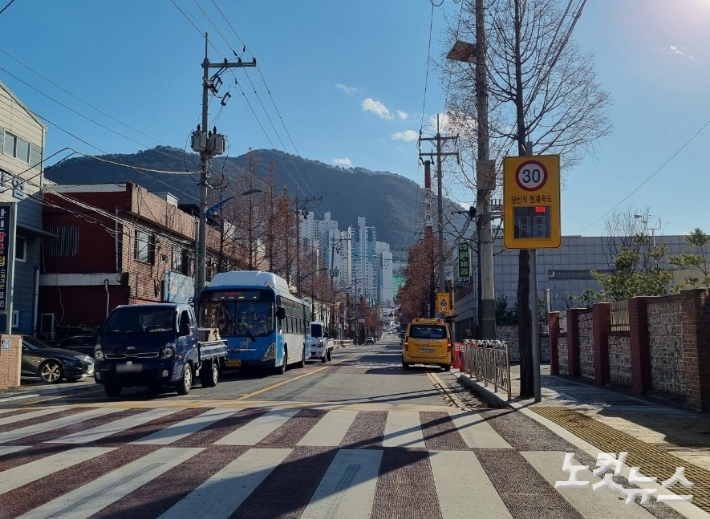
(239, 317)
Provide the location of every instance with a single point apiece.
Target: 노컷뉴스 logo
(606, 461)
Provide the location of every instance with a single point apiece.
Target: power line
(8, 5)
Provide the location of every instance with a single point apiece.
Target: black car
(54, 364)
(81, 343)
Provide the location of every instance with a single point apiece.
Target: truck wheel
(324, 358)
(302, 363)
(185, 384)
(330, 354)
(112, 390)
(209, 373)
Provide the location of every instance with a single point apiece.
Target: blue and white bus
(265, 325)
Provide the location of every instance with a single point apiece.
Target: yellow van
(427, 341)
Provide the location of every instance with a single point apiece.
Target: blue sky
(343, 82)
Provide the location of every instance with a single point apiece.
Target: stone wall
(586, 345)
(620, 360)
(562, 354)
(666, 344)
(509, 333)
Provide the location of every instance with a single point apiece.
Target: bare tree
(544, 97)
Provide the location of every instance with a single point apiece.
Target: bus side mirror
(281, 312)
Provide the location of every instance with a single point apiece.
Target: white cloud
(377, 108)
(677, 50)
(406, 136)
(343, 162)
(347, 89)
(402, 115)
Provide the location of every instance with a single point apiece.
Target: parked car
(81, 343)
(54, 364)
(369, 340)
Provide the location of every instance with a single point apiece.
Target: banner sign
(5, 210)
(464, 263)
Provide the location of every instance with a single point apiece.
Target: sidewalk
(658, 436)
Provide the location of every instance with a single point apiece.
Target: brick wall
(696, 347)
(10, 361)
(666, 344)
(586, 345)
(562, 354)
(620, 359)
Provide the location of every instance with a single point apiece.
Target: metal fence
(619, 311)
(489, 361)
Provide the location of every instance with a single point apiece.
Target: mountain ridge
(390, 202)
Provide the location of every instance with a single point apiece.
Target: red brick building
(117, 244)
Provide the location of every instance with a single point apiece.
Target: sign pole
(535, 326)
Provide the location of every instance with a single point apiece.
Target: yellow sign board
(443, 303)
(531, 202)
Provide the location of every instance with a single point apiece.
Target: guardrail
(489, 361)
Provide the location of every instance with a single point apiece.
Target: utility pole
(485, 171)
(440, 141)
(485, 181)
(208, 144)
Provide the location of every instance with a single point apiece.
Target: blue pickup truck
(156, 345)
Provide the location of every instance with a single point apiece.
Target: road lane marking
(32, 414)
(603, 503)
(446, 393)
(26, 474)
(403, 429)
(348, 487)
(87, 500)
(220, 495)
(463, 486)
(283, 382)
(117, 426)
(182, 429)
(256, 430)
(9, 449)
(476, 432)
(54, 424)
(330, 430)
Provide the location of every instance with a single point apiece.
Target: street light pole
(485, 170)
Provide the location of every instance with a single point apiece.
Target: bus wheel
(282, 369)
(302, 363)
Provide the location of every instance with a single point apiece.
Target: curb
(39, 392)
(490, 396)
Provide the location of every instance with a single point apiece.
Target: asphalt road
(355, 437)
(357, 374)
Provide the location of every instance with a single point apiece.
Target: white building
(386, 281)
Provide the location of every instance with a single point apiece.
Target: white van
(321, 345)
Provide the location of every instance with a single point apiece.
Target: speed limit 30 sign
(531, 175)
(531, 202)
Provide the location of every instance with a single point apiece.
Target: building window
(16, 147)
(66, 244)
(181, 261)
(20, 250)
(145, 247)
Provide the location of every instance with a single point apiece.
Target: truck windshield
(316, 330)
(239, 318)
(137, 320)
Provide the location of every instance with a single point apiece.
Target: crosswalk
(270, 461)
